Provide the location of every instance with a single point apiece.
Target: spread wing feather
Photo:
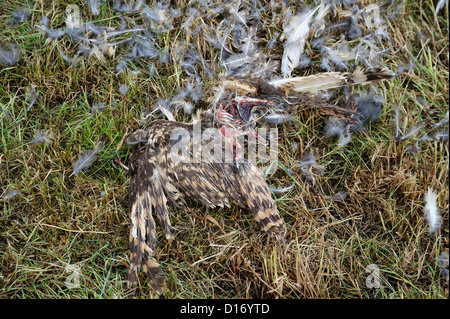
(156, 176)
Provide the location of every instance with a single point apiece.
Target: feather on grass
(32, 96)
(94, 6)
(295, 34)
(276, 190)
(19, 16)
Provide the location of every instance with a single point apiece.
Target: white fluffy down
(431, 211)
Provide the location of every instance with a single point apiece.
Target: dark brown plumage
(172, 161)
(156, 176)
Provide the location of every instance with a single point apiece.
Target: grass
(57, 222)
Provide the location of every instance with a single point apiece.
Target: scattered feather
(166, 112)
(411, 132)
(326, 64)
(334, 126)
(369, 106)
(50, 33)
(442, 263)
(344, 139)
(86, 159)
(303, 62)
(19, 16)
(73, 18)
(238, 16)
(9, 57)
(275, 119)
(397, 122)
(325, 95)
(413, 149)
(408, 68)
(282, 190)
(307, 160)
(192, 90)
(318, 24)
(32, 96)
(10, 194)
(164, 57)
(329, 80)
(98, 107)
(353, 30)
(122, 65)
(188, 58)
(143, 48)
(436, 136)
(95, 52)
(94, 6)
(337, 127)
(112, 34)
(235, 61)
(295, 34)
(152, 69)
(340, 196)
(439, 6)
(41, 136)
(187, 106)
(431, 211)
(125, 6)
(272, 41)
(161, 17)
(442, 122)
(309, 167)
(333, 57)
(66, 58)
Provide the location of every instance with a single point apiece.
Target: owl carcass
(204, 161)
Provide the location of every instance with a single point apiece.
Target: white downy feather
(328, 80)
(431, 211)
(442, 122)
(319, 21)
(41, 136)
(94, 6)
(295, 34)
(280, 190)
(9, 56)
(73, 18)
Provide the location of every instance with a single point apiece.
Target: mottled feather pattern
(156, 178)
(331, 80)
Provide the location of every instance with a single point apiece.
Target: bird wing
(214, 182)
